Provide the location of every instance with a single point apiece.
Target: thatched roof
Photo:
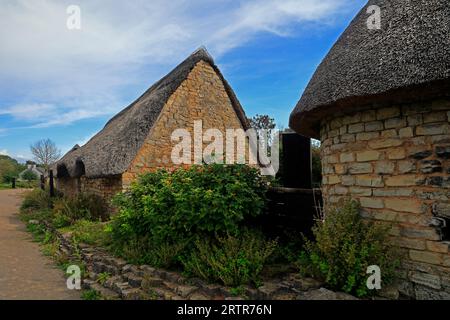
(111, 151)
(407, 60)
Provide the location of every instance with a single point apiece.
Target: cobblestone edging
(132, 282)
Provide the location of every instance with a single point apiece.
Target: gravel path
(24, 272)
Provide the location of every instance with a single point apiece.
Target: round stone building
(380, 105)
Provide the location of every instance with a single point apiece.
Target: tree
(29, 175)
(45, 152)
(9, 168)
(262, 121)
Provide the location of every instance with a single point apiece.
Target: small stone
(99, 267)
(432, 129)
(395, 123)
(151, 282)
(431, 166)
(347, 157)
(132, 294)
(325, 294)
(425, 256)
(198, 296)
(185, 291)
(368, 181)
(348, 180)
(409, 205)
(385, 143)
(357, 168)
(372, 203)
(369, 155)
(389, 292)
(303, 283)
(355, 128)
(33, 221)
(425, 279)
(396, 154)
(348, 138)
(269, 289)
(374, 126)
(386, 113)
(134, 281)
(443, 152)
(434, 117)
(389, 133)
(384, 167)
(406, 133)
(365, 136)
(366, 192)
(401, 180)
(406, 166)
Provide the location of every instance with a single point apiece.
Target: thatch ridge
(111, 151)
(407, 60)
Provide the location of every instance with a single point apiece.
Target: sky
(64, 84)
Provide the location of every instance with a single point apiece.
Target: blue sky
(65, 84)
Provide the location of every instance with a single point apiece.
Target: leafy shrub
(36, 199)
(231, 260)
(171, 207)
(29, 175)
(89, 232)
(147, 251)
(344, 247)
(82, 206)
(90, 295)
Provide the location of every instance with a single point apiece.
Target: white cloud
(4, 152)
(62, 76)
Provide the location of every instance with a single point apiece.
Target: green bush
(89, 232)
(82, 206)
(230, 260)
(345, 245)
(29, 175)
(147, 251)
(171, 207)
(36, 199)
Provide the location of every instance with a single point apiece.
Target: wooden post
(52, 186)
(42, 182)
(13, 183)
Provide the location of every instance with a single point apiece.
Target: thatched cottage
(138, 139)
(380, 104)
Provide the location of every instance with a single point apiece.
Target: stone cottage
(380, 104)
(138, 139)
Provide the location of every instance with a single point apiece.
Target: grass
(90, 295)
(88, 232)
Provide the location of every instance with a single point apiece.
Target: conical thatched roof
(111, 151)
(406, 60)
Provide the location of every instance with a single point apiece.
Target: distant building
(31, 166)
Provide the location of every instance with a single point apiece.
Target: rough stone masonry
(396, 161)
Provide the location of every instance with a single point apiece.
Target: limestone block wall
(396, 161)
(201, 96)
(103, 187)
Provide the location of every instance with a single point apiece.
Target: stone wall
(396, 161)
(201, 96)
(103, 187)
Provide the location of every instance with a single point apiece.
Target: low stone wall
(396, 161)
(132, 282)
(103, 187)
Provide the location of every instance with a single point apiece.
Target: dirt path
(24, 272)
